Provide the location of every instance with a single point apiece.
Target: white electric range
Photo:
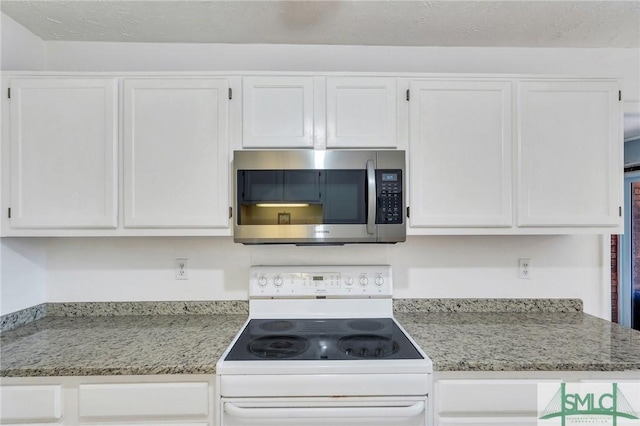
(321, 347)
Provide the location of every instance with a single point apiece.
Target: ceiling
(541, 23)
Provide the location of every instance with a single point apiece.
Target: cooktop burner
(277, 347)
(367, 346)
(277, 325)
(322, 339)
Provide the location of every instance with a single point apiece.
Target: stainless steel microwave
(319, 197)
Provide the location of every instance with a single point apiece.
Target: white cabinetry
(63, 153)
(277, 112)
(186, 400)
(130, 400)
(487, 402)
(569, 154)
(30, 404)
(308, 112)
(176, 165)
(361, 112)
(460, 153)
(490, 398)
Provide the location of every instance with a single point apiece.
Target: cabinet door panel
(143, 399)
(487, 421)
(460, 154)
(277, 112)
(38, 403)
(361, 112)
(63, 153)
(176, 167)
(569, 154)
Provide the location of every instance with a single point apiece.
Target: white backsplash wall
(22, 273)
(137, 269)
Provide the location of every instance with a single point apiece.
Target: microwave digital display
(389, 177)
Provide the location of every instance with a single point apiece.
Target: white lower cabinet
(487, 402)
(176, 400)
(504, 398)
(30, 404)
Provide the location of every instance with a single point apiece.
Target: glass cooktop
(322, 339)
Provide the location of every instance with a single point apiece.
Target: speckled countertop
(191, 344)
(498, 341)
(118, 345)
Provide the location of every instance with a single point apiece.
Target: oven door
(336, 411)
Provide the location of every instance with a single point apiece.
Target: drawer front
(487, 421)
(30, 403)
(501, 397)
(144, 400)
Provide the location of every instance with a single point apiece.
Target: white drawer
(489, 397)
(144, 400)
(30, 403)
(487, 421)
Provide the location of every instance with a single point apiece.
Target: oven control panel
(321, 281)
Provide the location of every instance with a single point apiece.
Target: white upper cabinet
(319, 112)
(277, 112)
(176, 163)
(361, 112)
(569, 154)
(63, 153)
(460, 154)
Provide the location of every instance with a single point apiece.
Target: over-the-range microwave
(319, 197)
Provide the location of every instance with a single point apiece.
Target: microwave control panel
(389, 193)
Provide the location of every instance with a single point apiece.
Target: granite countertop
(131, 343)
(523, 341)
(118, 345)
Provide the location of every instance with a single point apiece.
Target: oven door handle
(371, 201)
(324, 412)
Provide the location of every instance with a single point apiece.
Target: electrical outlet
(182, 269)
(524, 269)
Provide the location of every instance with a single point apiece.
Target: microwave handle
(371, 201)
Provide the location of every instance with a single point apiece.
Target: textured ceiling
(542, 23)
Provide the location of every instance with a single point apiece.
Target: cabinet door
(570, 168)
(38, 403)
(361, 112)
(176, 166)
(63, 153)
(277, 112)
(460, 154)
(152, 400)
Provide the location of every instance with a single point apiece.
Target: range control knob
(379, 280)
(364, 280)
(262, 281)
(349, 281)
(277, 281)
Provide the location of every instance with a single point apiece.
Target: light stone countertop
(499, 341)
(192, 344)
(118, 345)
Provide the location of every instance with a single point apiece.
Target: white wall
(22, 262)
(133, 269)
(22, 273)
(83, 56)
(21, 49)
